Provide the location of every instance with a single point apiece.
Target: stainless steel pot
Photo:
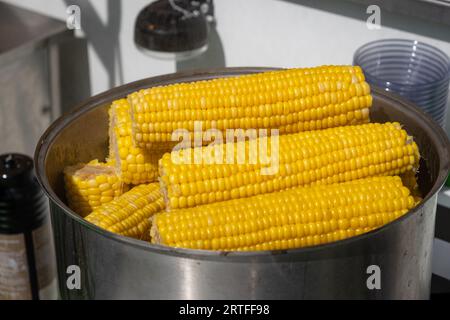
(114, 267)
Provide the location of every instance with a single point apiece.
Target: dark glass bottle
(27, 262)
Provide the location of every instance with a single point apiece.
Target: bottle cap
(22, 202)
(16, 170)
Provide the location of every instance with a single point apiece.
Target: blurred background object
(173, 29)
(180, 30)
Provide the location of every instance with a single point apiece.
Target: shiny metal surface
(114, 267)
(22, 32)
(29, 82)
(25, 101)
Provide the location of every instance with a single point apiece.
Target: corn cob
(129, 214)
(135, 165)
(293, 218)
(88, 186)
(292, 101)
(314, 157)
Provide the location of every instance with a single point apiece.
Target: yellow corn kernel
(88, 186)
(294, 218)
(307, 158)
(290, 100)
(135, 165)
(129, 214)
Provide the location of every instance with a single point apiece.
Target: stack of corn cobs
(316, 171)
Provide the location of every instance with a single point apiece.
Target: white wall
(253, 33)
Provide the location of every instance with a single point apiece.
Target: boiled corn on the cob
(129, 214)
(294, 218)
(289, 100)
(88, 186)
(135, 165)
(315, 157)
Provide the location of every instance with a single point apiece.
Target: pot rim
(50, 135)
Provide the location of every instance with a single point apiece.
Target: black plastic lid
(22, 203)
(15, 170)
(161, 27)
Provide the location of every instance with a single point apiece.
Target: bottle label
(15, 274)
(44, 254)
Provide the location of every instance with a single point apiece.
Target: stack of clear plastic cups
(415, 70)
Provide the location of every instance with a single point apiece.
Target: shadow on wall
(75, 83)
(214, 57)
(104, 38)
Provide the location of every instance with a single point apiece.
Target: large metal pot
(114, 267)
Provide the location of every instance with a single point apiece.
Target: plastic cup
(415, 70)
